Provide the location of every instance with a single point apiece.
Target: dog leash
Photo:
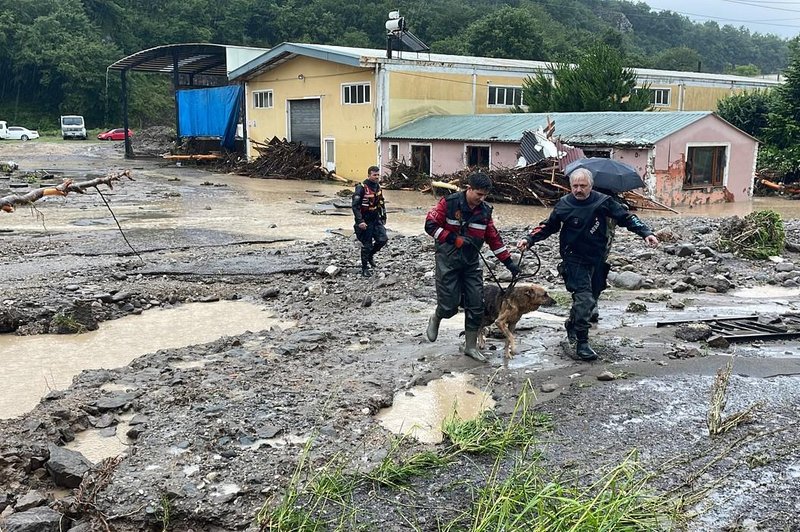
(514, 278)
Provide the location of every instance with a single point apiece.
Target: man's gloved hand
(512, 267)
(455, 240)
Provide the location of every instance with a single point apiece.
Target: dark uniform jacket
(368, 203)
(584, 226)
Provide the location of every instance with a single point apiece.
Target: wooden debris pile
(285, 160)
(542, 183)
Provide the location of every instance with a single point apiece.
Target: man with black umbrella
(581, 218)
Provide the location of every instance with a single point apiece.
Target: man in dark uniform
(369, 210)
(583, 243)
(460, 224)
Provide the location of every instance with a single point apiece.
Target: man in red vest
(369, 210)
(460, 224)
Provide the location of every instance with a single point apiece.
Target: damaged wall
(669, 175)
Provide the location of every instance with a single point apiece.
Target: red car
(115, 134)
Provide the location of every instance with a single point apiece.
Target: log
(8, 203)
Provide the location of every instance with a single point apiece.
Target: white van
(73, 126)
(3, 130)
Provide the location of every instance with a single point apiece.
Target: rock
(332, 271)
(9, 320)
(606, 376)
(389, 280)
(718, 342)
(66, 467)
(548, 387)
(785, 267)
(627, 280)
(684, 249)
(270, 293)
(42, 519)
(115, 401)
(367, 301)
(693, 332)
(636, 306)
(32, 499)
(681, 287)
(675, 304)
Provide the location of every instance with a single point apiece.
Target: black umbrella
(608, 174)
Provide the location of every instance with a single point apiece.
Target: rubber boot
(584, 351)
(572, 336)
(471, 347)
(432, 332)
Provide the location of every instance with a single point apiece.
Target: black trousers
(585, 282)
(372, 239)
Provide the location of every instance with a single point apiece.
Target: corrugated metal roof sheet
(368, 57)
(603, 128)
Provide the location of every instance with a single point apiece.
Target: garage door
(304, 124)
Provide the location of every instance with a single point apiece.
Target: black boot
(572, 336)
(366, 272)
(432, 332)
(584, 351)
(595, 316)
(372, 260)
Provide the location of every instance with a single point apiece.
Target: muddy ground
(207, 416)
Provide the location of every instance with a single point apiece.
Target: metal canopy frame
(190, 60)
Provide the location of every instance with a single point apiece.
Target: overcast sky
(781, 17)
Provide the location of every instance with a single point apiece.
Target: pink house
(685, 158)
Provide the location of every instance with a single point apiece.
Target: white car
(21, 133)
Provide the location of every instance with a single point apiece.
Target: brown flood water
(420, 411)
(33, 365)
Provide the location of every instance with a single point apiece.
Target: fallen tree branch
(8, 203)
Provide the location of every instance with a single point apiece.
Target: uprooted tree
(10, 202)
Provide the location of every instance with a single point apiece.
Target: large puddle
(420, 412)
(33, 365)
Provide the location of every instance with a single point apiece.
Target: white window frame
(506, 90)
(330, 158)
(661, 96)
(366, 96)
(467, 146)
(263, 95)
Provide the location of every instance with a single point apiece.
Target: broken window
(705, 166)
(505, 96)
(421, 158)
(477, 156)
(394, 152)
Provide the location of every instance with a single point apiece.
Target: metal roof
(641, 128)
(369, 57)
(191, 58)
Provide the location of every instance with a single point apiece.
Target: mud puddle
(33, 365)
(420, 411)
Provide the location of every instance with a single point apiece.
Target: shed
(191, 65)
(686, 158)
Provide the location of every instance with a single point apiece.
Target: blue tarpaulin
(210, 112)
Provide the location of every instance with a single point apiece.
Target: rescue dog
(505, 310)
